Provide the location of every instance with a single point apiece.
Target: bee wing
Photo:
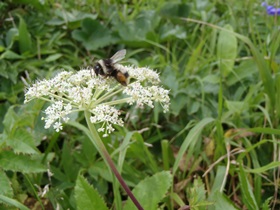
(118, 56)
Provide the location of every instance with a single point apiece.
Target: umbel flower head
(71, 92)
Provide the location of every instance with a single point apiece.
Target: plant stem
(104, 153)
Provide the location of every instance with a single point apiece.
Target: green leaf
(178, 103)
(87, 197)
(266, 204)
(13, 202)
(192, 137)
(151, 191)
(53, 57)
(262, 130)
(93, 35)
(218, 182)
(8, 54)
(71, 169)
(38, 4)
(15, 133)
(222, 202)
(140, 150)
(236, 106)
(5, 184)
(226, 50)
(172, 10)
(169, 32)
(10, 119)
(21, 163)
(246, 190)
(25, 44)
(138, 28)
(274, 164)
(246, 70)
(21, 141)
(197, 195)
(10, 37)
(72, 18)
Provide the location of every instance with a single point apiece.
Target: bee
(107, 68)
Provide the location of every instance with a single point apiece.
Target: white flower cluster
(57, 111)
(108, 115)
(84, 91)
(147, 95)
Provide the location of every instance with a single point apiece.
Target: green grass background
(220, 61)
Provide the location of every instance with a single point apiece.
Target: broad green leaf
(191, 138)
(216, 195)
(222, 202)
(10, 55)
(21, 163)
(246, 70)
(12, 202)
(5, 184)
(178, 103)
(246, 190)
(136, 30)
(71, 168)
(218, 184)
(10, 37)
(93, 35)
(74, 17)
(226, 50)
(212, 79)
(25, 43)
(53, 57)
(172, 9)
(100, 169)
(10, 120)
(3, 71)
(21, 141)
(236, 106)
(15, 134)
(87, 197)
(151, 191)
(169, 32)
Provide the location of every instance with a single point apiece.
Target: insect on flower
(107, 68)
(71, 92)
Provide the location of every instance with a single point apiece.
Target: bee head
(98, 69)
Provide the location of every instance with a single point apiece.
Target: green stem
(104, 153)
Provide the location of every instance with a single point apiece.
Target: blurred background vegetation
(220, 138)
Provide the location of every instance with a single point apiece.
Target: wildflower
(270, 10)
(70, 92)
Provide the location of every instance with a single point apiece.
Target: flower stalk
(104, 153)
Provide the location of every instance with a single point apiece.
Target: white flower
(71, 92)
(108, 115)
(57, 126)
(57, 111)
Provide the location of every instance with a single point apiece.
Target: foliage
(220, 61)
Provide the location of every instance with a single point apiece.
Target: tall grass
(220, 61)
